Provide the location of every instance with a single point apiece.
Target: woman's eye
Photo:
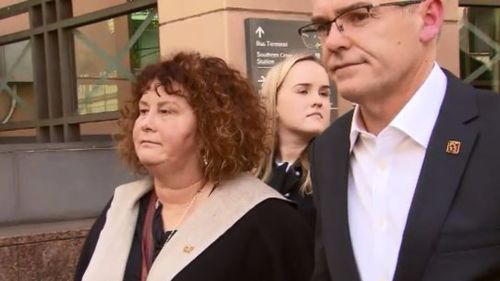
(143, 111)
(165, 111)
(325, 94)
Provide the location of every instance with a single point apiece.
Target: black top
(271, 242)
(288, 183)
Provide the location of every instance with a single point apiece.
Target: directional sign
(259, 32)
(268, 42)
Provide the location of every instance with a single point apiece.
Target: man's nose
(336, 39)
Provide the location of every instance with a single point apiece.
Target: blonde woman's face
(164, 133)
(303, 101)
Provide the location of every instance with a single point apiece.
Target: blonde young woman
(296, 93)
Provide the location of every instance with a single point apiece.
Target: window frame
(494, 4)
(55, 95)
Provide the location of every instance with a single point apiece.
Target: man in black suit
(407, 185)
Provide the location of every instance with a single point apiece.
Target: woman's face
(303, 101)
(164, 133)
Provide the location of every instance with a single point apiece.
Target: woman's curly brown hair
(229, 114)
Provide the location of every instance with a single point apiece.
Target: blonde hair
(269, 92)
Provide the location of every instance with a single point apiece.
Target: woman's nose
(318, 100)
(147, 122)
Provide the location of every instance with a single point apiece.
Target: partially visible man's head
(372, 47)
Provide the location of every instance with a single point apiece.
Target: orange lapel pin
(453, 147)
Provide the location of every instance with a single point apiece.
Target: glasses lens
(310, 36)
(353, 19)
(323, 29)
(310, 40)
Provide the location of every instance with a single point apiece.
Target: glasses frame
(306, 30)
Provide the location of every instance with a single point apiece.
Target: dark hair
(230, 116)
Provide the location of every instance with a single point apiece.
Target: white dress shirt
(383, 174)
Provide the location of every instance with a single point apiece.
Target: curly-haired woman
(194, 128)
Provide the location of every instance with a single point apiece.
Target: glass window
(16, 82)
(95, 71)
(108, 54)
(147, 49)
(479, 46)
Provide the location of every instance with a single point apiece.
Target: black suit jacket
(453, 227)
(288, 183)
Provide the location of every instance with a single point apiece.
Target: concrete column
(216, 27)
(448, 46)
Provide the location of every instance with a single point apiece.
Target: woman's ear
(432, 12)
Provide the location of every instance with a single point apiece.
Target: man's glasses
(349, 19)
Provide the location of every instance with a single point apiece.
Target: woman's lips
(315, 114)
(146, 142)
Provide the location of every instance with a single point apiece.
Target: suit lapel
(332, 171)
(438, 181)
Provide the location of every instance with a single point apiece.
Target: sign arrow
(259, 31)
(261, 79)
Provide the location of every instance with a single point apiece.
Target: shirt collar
(417, 118)
(357, 127)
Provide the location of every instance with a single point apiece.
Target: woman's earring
(204, 158)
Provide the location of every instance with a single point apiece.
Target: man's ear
(432, 12)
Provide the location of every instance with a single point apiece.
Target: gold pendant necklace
(184, 214)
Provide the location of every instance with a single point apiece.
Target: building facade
(66, 67)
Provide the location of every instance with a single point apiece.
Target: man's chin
(349, 92)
